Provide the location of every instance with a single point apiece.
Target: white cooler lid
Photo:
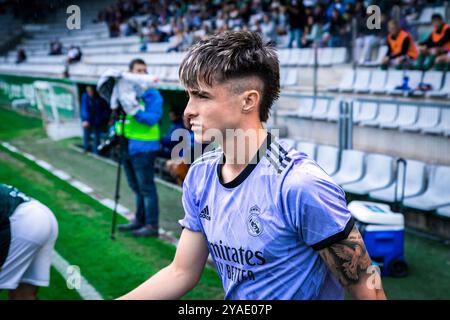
(375, 213)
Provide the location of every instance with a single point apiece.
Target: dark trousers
(139, 169)
(87, 132)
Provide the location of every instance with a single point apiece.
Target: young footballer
(28, 231)
(275, 224)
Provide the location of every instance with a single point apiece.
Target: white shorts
(34, 230)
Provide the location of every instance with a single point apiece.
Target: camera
(113, 138)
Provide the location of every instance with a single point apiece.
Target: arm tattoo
(347, 259)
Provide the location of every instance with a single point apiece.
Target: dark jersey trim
(248, 169)
(336, 237)
(5, 240)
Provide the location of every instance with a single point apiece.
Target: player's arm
(349, 261)
(180, 276)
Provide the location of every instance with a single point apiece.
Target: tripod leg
(116, 199)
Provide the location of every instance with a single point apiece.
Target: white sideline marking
(120, 208)
(47, 166)
(29, 156)
(81, 186)
(61, 174)
(86, 290)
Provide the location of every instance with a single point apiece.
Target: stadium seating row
(384, 115)
(375, 175)
(386, 82)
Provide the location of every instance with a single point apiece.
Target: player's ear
(250, 101)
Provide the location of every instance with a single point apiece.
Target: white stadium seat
(443, 92)
(407, 116)
(346, 84)
(379, 174)
(320, 109)
(437, 194)
(444, 124)
(414, 183)
(333, 110)
(433, 78)
(307, 148)
(364, 111)
(328, 158)
(428, 118)
(394, 79)
(351, 167)
(377, 81)
(387, 113)
(339, 56)
(362, 81)
(305, 108)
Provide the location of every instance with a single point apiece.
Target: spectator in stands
(55, 47)
(436, 47)
(143, 137)
(268, 29)
(21, 56)
(367, 40)
(402, 50)
(175, 41)
(335, 30)
(336, 5)
(296, 18)
(94, 116)
(28, 231)
(73, 54)
(313, 32)
(167, 144)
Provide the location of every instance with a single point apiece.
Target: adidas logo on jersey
(204, 214)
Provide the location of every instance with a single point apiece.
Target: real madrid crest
(254, 224)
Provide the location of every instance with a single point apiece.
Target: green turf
(112, 267)
(115, 267)
(56, 291)
(13, 125)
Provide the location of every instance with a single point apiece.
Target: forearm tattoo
(348, 259)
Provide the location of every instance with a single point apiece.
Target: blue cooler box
(383, 234)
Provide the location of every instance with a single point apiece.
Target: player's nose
(190, 111)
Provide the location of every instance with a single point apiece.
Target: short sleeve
(317, 207)
(190, 220)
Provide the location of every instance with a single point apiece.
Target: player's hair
(135, 61)
(437, 16)
(233, 55)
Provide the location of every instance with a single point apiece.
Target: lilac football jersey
(264, 228)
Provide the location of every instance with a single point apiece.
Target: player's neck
(240, 149)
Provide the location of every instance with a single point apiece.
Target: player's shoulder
(304, 172)
(203, 165)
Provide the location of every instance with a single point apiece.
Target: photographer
(143, 143)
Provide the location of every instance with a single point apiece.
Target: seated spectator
(335, 29)
(267, 27)
(313, 32)
(175, 41)
(436, 47)
(95, 114)
(55, 48)
(296, 19)
(21, 56)
(73, 54)
(402, 50)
